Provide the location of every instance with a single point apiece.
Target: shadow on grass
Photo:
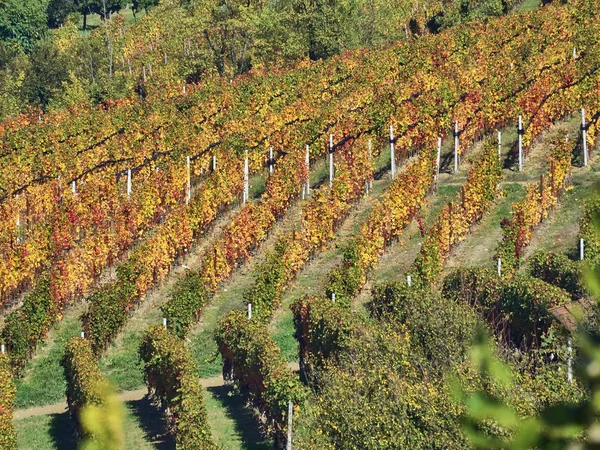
(62, 431)
(245, 422)
(152, 423)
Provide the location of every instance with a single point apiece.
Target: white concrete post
(73, 187)
(456, 146)
(574, 52)
(246, 188)
(584, 138)
(165, 322)
(569, 362)
(520, 133)
(307, 169)
(214, 163)
(333, 296)
(581, 249)
(144, 70)
(331, 160)
(392, 153)
(289, 430)
(128, 183)
(83, 335)
(370, 159)
(408, 280)
(439, 156)
(188, 195)
(2, 349)
(499, 145)
(249, 311)
(184, 90)
(271, 160)
(499, 267)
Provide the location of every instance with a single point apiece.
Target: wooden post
(331, 160)
(144, 71)
(520, 133)
(392, 153)
(456, 146)
(128, 183)
(189, 181)
(129, 65)
(542, 186)
(150, 68)
(584, 138)
(271, 160)
(165, 58)
(581, 249)
(289, 430)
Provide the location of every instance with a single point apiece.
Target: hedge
(253, 359)
(442, 330)
(188, 298)
(323, 329)
(172, 374)
(85, 383)
(559, 270)
(518, 310)
(26, 327)
(589, 233)
(8, 393)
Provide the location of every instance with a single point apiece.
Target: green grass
(143, 425)
(43, 382)
(55, 431)
(233, 426)
(527, 5)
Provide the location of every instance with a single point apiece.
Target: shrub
(257, 367)
(440, 329)
(8, 392)
(28, 325)
(86, 387)
(172, 374)
(559, 270)
(187, 300)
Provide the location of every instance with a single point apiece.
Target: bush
(257, 367)
(517, 310)
(86, 386)
(27, 326)
(8, 392)
(323, 330)
(558, 270)
(187, 300)
(442, 330)
(378, 394)
(172, 374)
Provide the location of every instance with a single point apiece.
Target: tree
(23, 22)
(59, 10)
